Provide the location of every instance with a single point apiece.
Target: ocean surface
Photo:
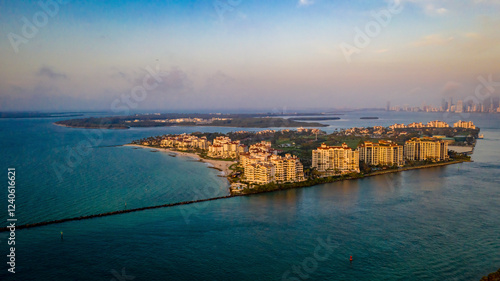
(432, 224)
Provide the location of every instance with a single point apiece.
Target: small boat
(480, 136)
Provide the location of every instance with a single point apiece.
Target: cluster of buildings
(464, 124)
(488, 105)
(185, 142)
(308, 130)
(262, 165)
(223, 147)
(260, 162)
(335, 160)
(435, 124)
(188, 120)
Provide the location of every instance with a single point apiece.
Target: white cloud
(432, 40)
(306, 2)
(430, 7)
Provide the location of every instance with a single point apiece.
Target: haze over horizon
(244, 54)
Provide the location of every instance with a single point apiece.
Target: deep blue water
(433, 224)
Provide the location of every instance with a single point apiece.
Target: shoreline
(311, 183)
(88, 128)
(231, 194)
(220, 165)
(223, 166)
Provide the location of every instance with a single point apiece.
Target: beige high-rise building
(437, 124)
(415, 125)
(223, 147)
(385, 153)
(288, 168)
(333, 160)
(426, 148)
(397, 126)
(256, 162)
(184, 142)
(260, 173)
(464, 124)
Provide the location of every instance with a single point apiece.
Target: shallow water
(432, 224)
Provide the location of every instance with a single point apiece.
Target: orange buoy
(350, 259)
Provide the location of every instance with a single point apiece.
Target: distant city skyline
(249, 55)
(487, 105)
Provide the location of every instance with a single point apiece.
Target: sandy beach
(220, 165)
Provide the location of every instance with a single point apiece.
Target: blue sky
(244, 54)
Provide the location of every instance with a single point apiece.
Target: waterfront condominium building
(332, 160)
(260, 173)
(385, 153)
(285, 169)
(426, 148)
(397, 126)
(288, 168)
(437, 124)
(184, 142)
(464, 124)
(415, 125)
(223, 147)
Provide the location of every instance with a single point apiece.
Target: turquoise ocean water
(433, 224)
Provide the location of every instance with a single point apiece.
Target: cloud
(306, 2)
(430, 7)
(432, 40)
(46, 71)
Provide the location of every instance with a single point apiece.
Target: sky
(120, 56)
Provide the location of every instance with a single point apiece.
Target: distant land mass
(314, 118)
(37, 114)
(369, 117)
(178, 119)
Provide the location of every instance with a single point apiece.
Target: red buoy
(350, 259)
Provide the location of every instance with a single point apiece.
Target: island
(315, 118)
(270, 160)
(181, 119)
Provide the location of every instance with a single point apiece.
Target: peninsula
(271, 160)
